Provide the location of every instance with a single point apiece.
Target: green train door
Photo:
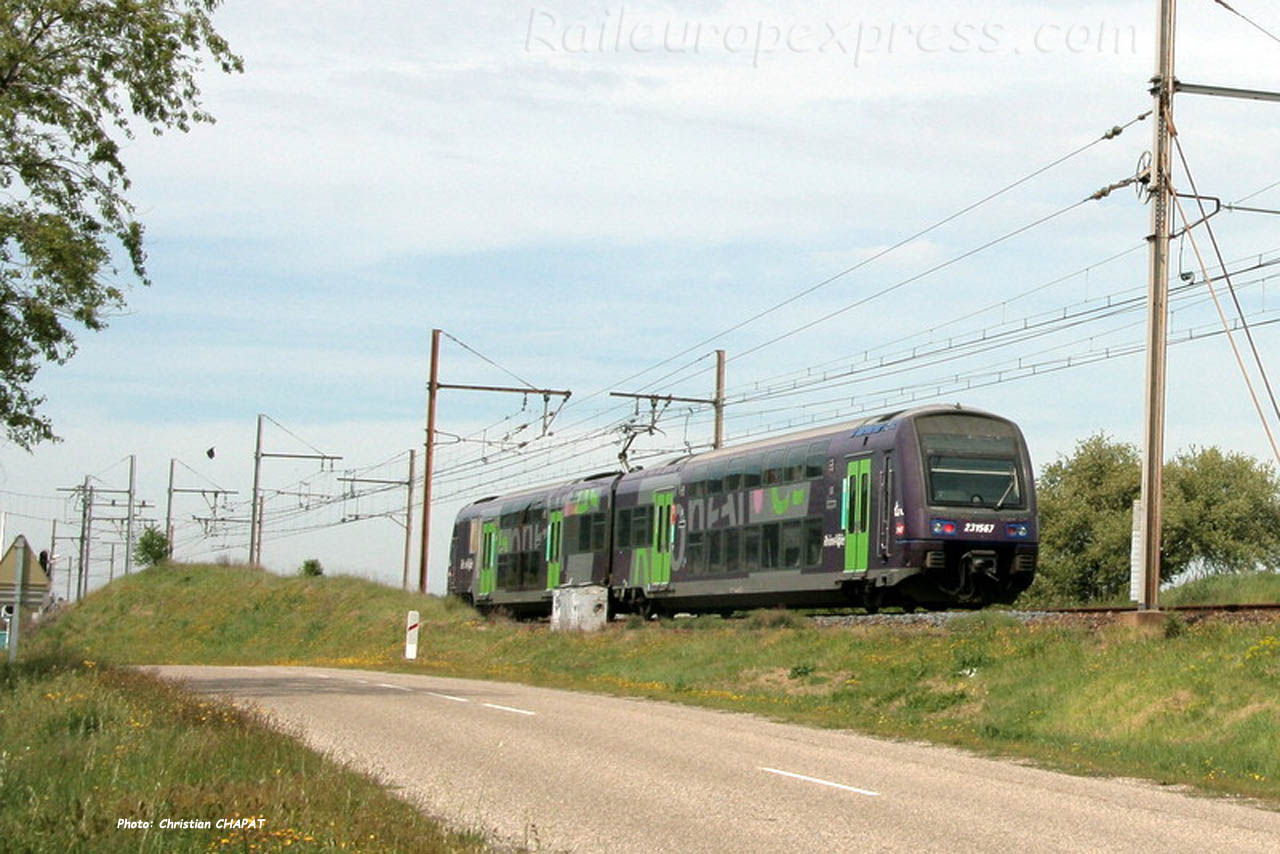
(857, 515)
(663, 529)
(555, 548)
(487, 578)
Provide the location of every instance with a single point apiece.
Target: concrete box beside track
(581, 609)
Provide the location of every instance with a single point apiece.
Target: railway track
(1271, 610)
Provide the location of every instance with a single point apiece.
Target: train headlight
(1017, 530)
(941, 527)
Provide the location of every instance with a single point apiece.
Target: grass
(1195, 702)
(1250, 588)
(88, 746)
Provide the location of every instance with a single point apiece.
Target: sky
(595, 197)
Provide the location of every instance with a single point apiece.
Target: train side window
(751, 476)
(813, 541)
(715, 552)
(816, 459)
(733, 476)
(792, 543)
(715, 479)
(697, 483)
(570, 534)
(769, 545)
(640, 528)
(733, 550)
(887, 501)
(599, 525)
(622, 527)
(584, 533)
(695, 556)
(774, 465)
(530, 574)
(865, 493)
(751, 548)
(795, 464)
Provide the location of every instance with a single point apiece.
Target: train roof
(828, 430)
(536, 491)
(825, 430)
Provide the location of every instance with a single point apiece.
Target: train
(931, 507)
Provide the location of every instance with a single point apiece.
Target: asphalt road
(576, 772)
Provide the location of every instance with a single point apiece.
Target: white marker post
(16, 620)
(411, 636)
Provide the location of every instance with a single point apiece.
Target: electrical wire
(1248, 20)
(1266, 426)
(1111, 133)
(487, 359)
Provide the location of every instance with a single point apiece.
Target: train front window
(971, 460)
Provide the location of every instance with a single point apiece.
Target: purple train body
(929, 507)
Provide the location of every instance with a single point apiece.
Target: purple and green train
(930, 507)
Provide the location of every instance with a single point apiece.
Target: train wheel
(648, 609)
(872, 599)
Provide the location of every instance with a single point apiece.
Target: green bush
(311, 568)
(152, 548)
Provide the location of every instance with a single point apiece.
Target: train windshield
(970, 460)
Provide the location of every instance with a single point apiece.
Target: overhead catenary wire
(910, 279)
(1266, 426)
(1109, 134)
(486, 359)
(1250, 21)
(1217, 250)
(483, 459)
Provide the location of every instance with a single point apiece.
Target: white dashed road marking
(449, 697)
(509, 709)
(866, 792)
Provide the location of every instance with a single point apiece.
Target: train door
(487, 577)
(555, 548)
(888, 505)
(856, 512)
(662, 535)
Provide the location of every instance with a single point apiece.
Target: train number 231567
(979, 527)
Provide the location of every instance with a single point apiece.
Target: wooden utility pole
(433, 388)
(1159, 186)
(253, 505)
(428, 460)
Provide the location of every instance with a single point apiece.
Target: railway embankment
(1194, 702)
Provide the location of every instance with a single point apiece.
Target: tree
(311, 568)
(76, 75)
(1222, 513)
(1086, 515)
(152, 548)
